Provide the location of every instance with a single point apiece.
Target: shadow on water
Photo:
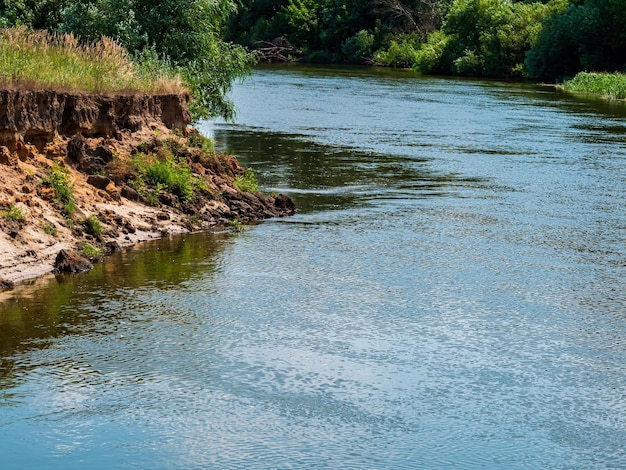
(38, 311)
(546, 95)
(321, 177)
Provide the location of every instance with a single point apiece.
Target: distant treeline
(548, 40)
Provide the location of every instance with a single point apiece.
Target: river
(451, 294)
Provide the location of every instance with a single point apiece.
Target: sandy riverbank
(96, 143)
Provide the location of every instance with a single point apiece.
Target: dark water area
(449, 295)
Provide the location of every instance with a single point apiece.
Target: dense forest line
(550, 40)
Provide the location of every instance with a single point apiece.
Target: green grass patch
(49, 228)
(163, 167)
(247, 182)
(148, 195)
(197, 140)
(93, 225)
(60, 180)
(608, 85)
(236, 225)
(177, 170)
(14, 213)
(41, 59)
(171, 175)
(93, 253)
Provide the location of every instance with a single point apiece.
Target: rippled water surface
(450, 295)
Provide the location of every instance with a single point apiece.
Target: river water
(451, 294)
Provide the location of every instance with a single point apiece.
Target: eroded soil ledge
(97, 141)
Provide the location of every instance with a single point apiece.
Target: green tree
(36, 14)
(588, 35)
(337, 31)
(187, 33)
(301, 18)
(407, 17)
(486, 38)
(256, 21)
(116, 19)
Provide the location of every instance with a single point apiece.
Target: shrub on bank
(400, 53)
(173, 175)
(607, 85)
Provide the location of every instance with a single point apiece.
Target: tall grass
(40, 59)
(247, 182)
(173, 176)
(607, 85)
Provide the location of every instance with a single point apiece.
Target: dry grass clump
(41, 59)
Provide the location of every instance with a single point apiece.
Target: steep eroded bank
(92, 173)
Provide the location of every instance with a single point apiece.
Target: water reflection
(38, 311)
(335, 178)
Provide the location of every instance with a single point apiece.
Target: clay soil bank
(95, 140)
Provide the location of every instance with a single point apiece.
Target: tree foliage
(336, 31)
(589, 35)
(487, 38)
